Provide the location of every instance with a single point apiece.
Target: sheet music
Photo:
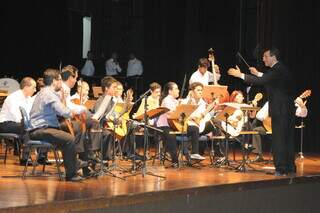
(102, 108)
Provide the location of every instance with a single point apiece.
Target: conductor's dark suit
(278, 82)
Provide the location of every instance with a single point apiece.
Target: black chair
(34, 145)
(11, 139)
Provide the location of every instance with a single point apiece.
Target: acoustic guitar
(121, 110)
(267, 123)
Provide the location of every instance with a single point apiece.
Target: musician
(262, 114)
(103, 107)
(202, 75)
(45, 126)
(169, 99)
(118, 93)
(88, 68)
(10, 115)
(112, 65)
(69, 77)
(195, 97)
(82, 88)
(278, 82)
(152, 100)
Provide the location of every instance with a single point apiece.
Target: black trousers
(170, 143)
(11, 127)
(62, 140)
(283, 142)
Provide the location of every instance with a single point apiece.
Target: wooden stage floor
(49, 193)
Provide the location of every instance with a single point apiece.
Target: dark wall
(33, 36)
(291, 26)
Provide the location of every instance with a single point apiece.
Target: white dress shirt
(88, 68)
(264, 112)
(199, 110)
(205, 78)
(112, 68)
(134, 67)
(10, 109)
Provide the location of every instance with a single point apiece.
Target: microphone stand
(144, 171)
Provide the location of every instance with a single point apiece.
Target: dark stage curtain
(292, 27)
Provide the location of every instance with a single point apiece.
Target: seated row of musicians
(256, 124)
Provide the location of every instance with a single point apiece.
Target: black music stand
(223, 117)
(144, 170)
(102, 119)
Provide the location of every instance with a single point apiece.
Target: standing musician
(202, 75)
(278, 82)
(169, 100)
(45, 126)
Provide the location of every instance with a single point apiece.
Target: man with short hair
(10, 115)
(45, 125)
(202, 75)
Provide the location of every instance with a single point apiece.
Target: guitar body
(233, 131)
(203, 122)
(121, 128)
(267, 124)
(177, 126)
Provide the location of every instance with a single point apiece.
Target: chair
(11, 139)
(97, 91)
(34, 145)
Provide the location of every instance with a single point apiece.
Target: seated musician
(169, 100)
(45, 126)
(262, 114)
(10, 116)
(195, 97)
(152, 100)
(152, 103)
(102, 137)
(69, 77)
(82, 88)
(235, 121)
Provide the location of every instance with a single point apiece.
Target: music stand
(223, 117)
(152, 113)
(144, 171)
(100, 115)
(177, 121)
(211, 92)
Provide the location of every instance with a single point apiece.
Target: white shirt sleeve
(301, 111)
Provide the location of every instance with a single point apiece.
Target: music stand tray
(181, 112)
(215, 91)
(152, 113)
(187, 109)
